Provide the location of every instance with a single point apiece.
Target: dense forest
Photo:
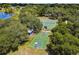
(64, 39)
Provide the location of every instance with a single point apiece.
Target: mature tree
(65, 37)
(11, 36)
(30, 21)
(63, 44)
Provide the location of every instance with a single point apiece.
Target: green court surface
(49, 23)
(42, 38)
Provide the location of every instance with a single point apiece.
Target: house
(47, 15)
(30, 31)
(66, 21)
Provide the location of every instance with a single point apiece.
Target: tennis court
(49, 23)
(41, 39)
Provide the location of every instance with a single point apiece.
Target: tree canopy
(65, 36)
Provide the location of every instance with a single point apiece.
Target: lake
(4, 15)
